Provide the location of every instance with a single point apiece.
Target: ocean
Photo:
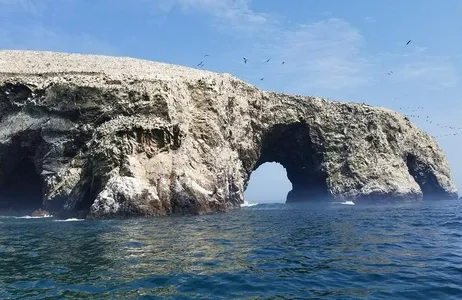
(266, 251)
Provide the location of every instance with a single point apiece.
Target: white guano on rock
(121, 137)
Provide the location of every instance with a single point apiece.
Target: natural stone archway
(299, 150)
(268, 183)
(424, 177)
(119, 137)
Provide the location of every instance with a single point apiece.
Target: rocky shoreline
(102, 137)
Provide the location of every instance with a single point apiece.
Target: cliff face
(113, 137)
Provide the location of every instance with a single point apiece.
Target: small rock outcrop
(99, 137)
(40, 213)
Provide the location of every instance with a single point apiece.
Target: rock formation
(40, 213)
(98, 137)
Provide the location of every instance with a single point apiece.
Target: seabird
(206, 55)
(262, 78)
(408, 42)
(245, 60)
(283, 62)
(200, 64)
(268, 60)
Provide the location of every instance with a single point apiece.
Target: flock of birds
(416, 113)
(412, 112)
(201, 64)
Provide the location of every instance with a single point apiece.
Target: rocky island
(99, 137)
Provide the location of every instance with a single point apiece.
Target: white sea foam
(248, 204)
(348, 203)
(344, 203)
(37, 217)
(70, 220)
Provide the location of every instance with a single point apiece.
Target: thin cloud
(32, 35)
(369, 19)
(230, 15)
(28, 6)
(35, 8)
(435, 72)
(318, 57)
(41, 38)
(324, 54)
(420, 68)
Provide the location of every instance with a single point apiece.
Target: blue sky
(337, 49)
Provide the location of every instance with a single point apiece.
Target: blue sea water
(270, 251)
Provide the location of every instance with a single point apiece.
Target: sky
(341, 50)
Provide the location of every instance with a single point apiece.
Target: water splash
(344, 203)
(26, 217)
(348, 203)
(248, 204)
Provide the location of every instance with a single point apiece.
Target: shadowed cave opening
(91, 191)
(21, 190)
(425, 178)
(299, 149)
(21, 186)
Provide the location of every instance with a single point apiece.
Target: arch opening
(425, 178)
(299, 149)
(268, 184)
(21, 187)
(92, 188)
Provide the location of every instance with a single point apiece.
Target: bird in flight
(245, 60)
(283, 62)
(201, 64)
(268, 60)
(206, 55)
(408, 42)
(262, 78)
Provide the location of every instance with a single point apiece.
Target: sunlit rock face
(100, 137)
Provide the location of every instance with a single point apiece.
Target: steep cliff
(113, 137)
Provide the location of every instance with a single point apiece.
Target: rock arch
(425, 177)
(115, 137)
(299, 149)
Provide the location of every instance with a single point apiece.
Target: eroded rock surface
(117, 137)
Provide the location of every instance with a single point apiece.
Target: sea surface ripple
(268, 251)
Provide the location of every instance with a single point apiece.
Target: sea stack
(100, 137)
